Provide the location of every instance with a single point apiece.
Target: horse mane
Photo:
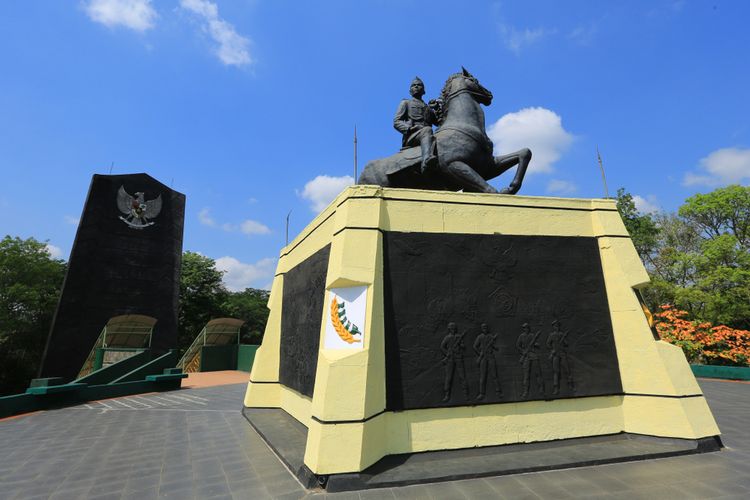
(444, 93)
(446, 88)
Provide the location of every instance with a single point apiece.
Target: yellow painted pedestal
(348, 427)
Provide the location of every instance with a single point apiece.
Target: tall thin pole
(287, 226)
(111, 166)
(355, 153)
(601, 167)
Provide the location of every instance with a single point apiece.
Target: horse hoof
(505, 191)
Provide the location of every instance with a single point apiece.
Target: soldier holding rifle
(452, 348)
(557, 344)
(484, 347)
(527, 345)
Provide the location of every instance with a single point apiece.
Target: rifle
(562, 339)
(452, 346)
(526, 353)
(488, 350)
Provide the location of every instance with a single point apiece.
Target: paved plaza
(195, 443)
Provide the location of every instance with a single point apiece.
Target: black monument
(125, 259)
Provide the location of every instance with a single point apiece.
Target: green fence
(246, 357)
(227, 357)
(723, 372)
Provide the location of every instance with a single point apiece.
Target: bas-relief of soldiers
(485, 348)
(527, 344)
(558, 347)
(452, 348)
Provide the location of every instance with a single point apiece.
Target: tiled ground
(194, 443)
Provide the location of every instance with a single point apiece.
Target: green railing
(141, 373)
(220, 332)
(723, 372)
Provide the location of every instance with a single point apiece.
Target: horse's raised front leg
(466, 177)
(522, 157)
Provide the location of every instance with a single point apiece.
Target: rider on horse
(414, 119)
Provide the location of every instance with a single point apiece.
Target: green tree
(722, 211)
(202, 296)
(702, 262)
(30, 283)
(251, 306)
(642, 229)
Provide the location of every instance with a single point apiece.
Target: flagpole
(355, 153)
(601, 167)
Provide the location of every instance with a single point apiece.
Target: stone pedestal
(551, 341)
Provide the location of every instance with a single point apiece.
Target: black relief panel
(126, 259)
(301, 315)
(479, 319)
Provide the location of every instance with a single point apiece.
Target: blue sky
(248, 107)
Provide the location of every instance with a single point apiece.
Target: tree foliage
(30, 283)
(202, 294)
(702, 342)
(702, 258)
(203, 297)
(251, 306)
(699, 262)
(724, 211)
(641, 227)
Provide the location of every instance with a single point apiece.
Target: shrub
(702, 342)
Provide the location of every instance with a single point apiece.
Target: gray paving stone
(175, 486)
(376, 494)
(173, 453)
(212, 490)
(290, 496)
(510, 487)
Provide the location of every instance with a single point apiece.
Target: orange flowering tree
(702, 342)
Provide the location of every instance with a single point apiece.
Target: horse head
(462, 82)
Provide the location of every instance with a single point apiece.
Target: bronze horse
(463, 148)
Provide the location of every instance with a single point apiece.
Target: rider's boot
(429, 160)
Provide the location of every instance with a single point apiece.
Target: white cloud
(646, 205)
(515, 39)
(54, 252)
(232, 48)
(323, 189)
(249, 226)
(136, 15)
(583, 35)
(254, 227)
(538, 129)
(204, 216)
(561, 187)
(73, 221)
(238, 275)
(721, 167)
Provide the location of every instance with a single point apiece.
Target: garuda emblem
(136, 210)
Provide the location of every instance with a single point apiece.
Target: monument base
(406, 321)
(287, 438)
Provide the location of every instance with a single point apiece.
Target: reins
(484, 141)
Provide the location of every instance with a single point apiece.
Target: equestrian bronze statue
(464, 152)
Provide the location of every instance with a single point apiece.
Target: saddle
(409, 158)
